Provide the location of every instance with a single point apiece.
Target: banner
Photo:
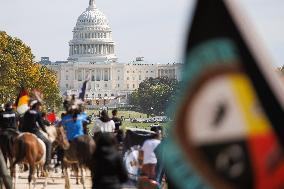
(228, 129)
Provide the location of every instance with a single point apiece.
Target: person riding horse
(8, 118)
(8, 129)
(32, 119)
(73, 124)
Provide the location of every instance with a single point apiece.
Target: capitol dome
(92, 38)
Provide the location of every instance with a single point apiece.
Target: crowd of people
(109, 169)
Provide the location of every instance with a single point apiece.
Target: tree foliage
(18, 69)
(154, 95)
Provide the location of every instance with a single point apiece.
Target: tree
(18, 69)
(154, 95)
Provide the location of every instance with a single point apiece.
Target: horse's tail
(21, 150)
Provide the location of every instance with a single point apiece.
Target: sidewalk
(55, 181)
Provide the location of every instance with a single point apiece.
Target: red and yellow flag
(22, 102)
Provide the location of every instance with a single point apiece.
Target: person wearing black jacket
(117, 120)
(8, 129)
(109, 171)
(31, 122)
(8, 118)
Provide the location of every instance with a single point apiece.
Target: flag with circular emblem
(228, 128)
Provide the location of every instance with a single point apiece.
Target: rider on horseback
(32, 119)
(8, 119)
(73, 123)
(8, 129)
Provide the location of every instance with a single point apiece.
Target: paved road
(55, 181)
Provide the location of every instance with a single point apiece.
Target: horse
(80, 154)
(8, 137)
(31, 150)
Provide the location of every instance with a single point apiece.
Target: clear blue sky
(150, 28)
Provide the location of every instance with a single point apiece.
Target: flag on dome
(228, 125)
(22, 101)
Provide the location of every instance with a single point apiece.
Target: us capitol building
(92, 57)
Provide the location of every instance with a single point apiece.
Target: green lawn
(125, 114)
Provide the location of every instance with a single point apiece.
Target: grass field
(126, 115)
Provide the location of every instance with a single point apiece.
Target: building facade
(92, 57)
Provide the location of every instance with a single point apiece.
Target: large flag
(228, 129)
(83, 90)
(22, 101)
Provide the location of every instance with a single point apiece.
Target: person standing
(109, 171)
(103, 124)
(148, 155)
(32, 119)
(117, 121)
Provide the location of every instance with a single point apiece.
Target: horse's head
(61, 138)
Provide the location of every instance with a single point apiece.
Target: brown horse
(30, 150)
(79, 154)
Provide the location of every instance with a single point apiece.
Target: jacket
(8, 120)
(32, 121)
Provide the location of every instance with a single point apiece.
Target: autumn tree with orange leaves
(18, 69)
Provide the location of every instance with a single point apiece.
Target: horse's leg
(66, 174)
(76, 171)
(37, 171)
(13, 174)
(30, 175)
(45, 172)
(83, 176)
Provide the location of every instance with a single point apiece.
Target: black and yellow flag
(228, 130)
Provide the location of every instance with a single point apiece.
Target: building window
(98, 75)
(112, 95)
(127, 86)
(106, 75)
(117, 85)
(133, 71)
(105, 85)
(99, 95)
(80, 75)
(139, 77)
(98, 85)
(127, 78)
(133, 86)
(105, 94)
(127, 71)
(93, 75)
(152, 71)
(86, 95)
(118, 78)
(66, 77)
(67, 86)
(146, 71)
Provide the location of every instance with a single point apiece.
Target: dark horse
(8, 137)
(31, 150)
(80, 154)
